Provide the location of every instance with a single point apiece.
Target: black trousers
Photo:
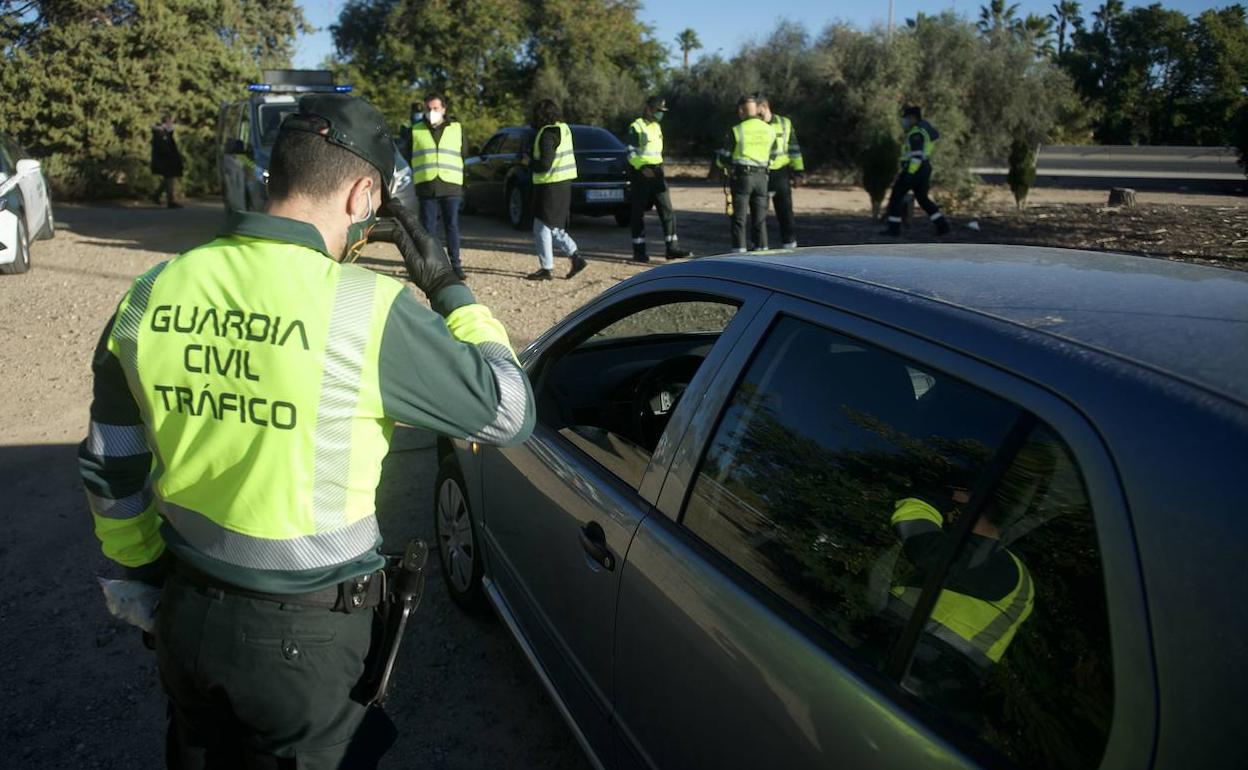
(165, 188)
(749, 207)
(647, 190)
(920, 181)
(780, 185)
(257, 684)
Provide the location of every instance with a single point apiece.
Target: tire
(623, 218)
(458, 539)
(519, 208)
(22, 262)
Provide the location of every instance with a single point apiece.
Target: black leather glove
(426, 262)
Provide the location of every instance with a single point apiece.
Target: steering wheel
(656, 394)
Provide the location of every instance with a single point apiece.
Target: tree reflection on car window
(837, 477)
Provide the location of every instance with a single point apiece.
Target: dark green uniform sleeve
(464, 389)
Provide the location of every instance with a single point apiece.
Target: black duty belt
(358, 593)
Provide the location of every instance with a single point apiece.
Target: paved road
(1212, 169)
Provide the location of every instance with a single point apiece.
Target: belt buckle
(358, 593)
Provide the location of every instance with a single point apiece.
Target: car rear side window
(592, 138)
(612, 394)
(513, 143)
(837, 479)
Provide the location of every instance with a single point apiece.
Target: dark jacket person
(166, 160)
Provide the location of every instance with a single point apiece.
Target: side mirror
(27, 167)
(235, 147)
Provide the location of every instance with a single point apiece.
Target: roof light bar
(344, 89)
(260, 87)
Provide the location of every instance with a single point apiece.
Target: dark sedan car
(925, 506)
(496, 181)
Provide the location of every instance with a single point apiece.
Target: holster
(405, 585)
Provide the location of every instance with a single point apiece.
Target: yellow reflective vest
(754, 143)
(788, 152)
(563, 167)
(438, 159)
(650, 151)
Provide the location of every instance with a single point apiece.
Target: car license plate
(615, 194)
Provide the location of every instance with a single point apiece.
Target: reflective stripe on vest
(263, 407)
(783, 129)
(753, 143)
(437, 159)
(650, 153)
(564, 166)
(979, 629)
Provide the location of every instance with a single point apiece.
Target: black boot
(675, 252)
(539, 275)
(578, 264)
(639, 253)
(893, 230)
(942, 225)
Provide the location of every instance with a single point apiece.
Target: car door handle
(594, 541)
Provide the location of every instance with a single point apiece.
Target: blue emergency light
(260, 87)
(344, 89)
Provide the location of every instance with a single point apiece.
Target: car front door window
(838, 480)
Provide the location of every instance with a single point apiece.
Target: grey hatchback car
(923, 506)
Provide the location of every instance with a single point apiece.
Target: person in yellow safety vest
(647, 182)
(244, 397)
(988, 593)
(439, 145)
(552, 164)
(915, 173)
(785, 172)
(749, 149)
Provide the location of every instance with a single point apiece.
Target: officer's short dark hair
(306, 164)
(746, 99)
(912, 111)
(435, 95)
(546, 112)
(761, 99)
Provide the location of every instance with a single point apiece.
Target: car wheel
(458, 545)
(518, 214)
(21, 263)
(623, 218)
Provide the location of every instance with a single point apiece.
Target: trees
(688, 41)
(1067, 15)
(96, 75)
(998, 18)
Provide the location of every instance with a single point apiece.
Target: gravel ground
(82, 692)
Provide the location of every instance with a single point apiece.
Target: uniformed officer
(647, 183)
(753, 147)
(785, 171)
(916, 172)
(439, 145)
(245, 393)
(988, 594)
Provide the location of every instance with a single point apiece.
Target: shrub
(1022, 173)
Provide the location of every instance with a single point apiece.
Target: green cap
(351, 123)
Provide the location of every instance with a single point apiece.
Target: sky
(719, 23)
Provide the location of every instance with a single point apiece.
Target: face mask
(435, 117)
(658, 117)
(357, 233)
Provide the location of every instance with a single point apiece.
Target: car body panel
(1158, 435)
(601, 187)
(24, 194)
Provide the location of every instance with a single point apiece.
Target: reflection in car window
(612, 395)
(513, 143)
(835, 479)
(593, 138)
(491, 147)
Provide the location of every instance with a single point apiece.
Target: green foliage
(878, 168)
(1022, 173)
(687, 41)
(1157, 77)
(493, 58)
(98, 75)
(1239, 136)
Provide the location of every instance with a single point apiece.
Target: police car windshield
(271, 117)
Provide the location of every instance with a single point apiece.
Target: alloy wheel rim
(455, 535)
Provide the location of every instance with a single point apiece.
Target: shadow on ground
(81, 691)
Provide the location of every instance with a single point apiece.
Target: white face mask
(434, 117)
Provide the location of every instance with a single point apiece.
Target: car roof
(1188, 321)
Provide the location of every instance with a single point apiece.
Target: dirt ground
(80, 689)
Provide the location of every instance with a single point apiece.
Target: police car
(25, 206)
(247, 130)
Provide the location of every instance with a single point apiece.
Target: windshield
(271, 117)
(593, 138)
